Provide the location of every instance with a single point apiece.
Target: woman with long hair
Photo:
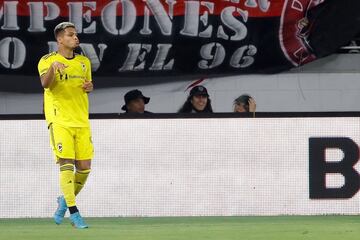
(198, 101)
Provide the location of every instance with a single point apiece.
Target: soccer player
(66, 79)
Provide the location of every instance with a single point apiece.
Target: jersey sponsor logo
(76, 76)
(67, 77)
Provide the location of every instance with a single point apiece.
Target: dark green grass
(188, 228)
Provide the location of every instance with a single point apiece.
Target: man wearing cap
(135, 102)
(66, 79)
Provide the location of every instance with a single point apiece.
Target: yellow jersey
(65, 101)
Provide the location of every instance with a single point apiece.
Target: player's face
(69, 38)
(199, 102)
(240, 108)
(136, 106)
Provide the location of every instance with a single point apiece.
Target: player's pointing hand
(59, 67)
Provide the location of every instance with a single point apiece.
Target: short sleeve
(43, 66)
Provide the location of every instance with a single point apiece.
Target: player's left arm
(88, 85)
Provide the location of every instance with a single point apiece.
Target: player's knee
(62, 161)
(83, 165)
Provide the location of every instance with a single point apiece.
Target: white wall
(177, 167)
(330, 84)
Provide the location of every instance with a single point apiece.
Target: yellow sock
(80, 179)
(67, 183)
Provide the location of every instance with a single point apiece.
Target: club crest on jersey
(59, 147)
(83, 66)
